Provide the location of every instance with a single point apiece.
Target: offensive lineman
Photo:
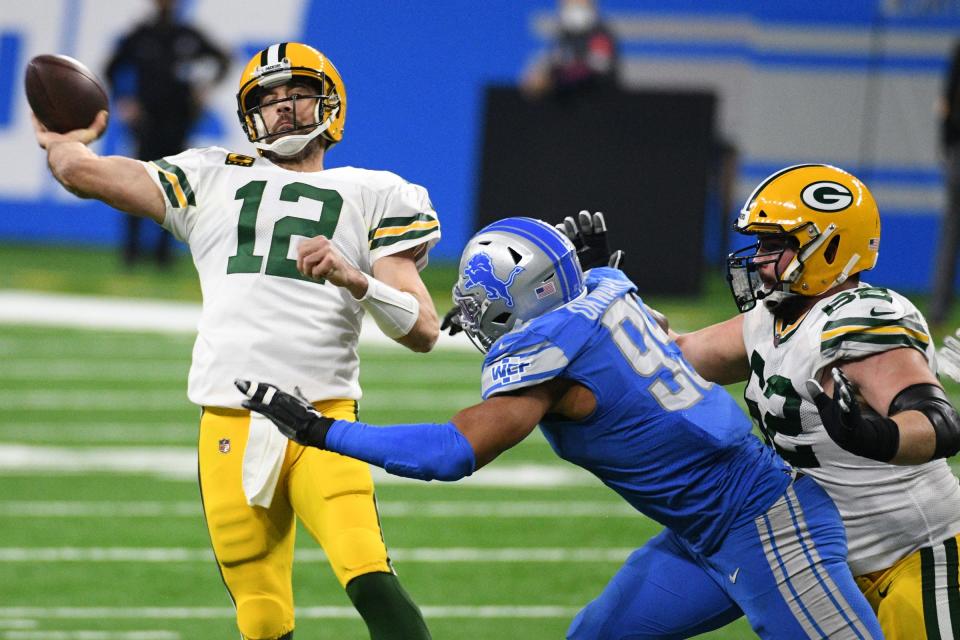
(817, 228)
(290, 256)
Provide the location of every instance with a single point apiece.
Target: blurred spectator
(583, 56)
(158, 74)
(945, 267)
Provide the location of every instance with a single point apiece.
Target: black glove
(451, 321)
(866, 434)
(588, 233)
(294, 416)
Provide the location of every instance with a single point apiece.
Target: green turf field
(101, 535)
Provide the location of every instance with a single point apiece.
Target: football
(63, 93)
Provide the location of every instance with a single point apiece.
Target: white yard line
(429, 555)
(52, 371)
(133, 400)
(90, 635)
(133, 314)
(312, 613)
(75, 431)
(390, 508)
(180, 463)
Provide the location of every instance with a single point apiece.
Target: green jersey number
(278, 264)
(789, 425)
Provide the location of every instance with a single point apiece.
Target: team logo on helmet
(479, 273)
(826, 196)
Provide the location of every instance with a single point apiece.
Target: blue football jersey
(675, 446)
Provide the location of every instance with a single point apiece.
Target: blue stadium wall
(851, 83)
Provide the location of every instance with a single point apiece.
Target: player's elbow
(424, 334)
(422, 340)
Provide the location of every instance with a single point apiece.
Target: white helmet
(512, 271)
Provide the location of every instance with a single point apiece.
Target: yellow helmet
(829, 217)
(279, 64)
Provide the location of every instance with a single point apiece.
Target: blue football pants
(785, 570)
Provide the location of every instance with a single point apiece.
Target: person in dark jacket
(155, 73)
(584, 55)
(945, 267)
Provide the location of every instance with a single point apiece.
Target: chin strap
(293, 144)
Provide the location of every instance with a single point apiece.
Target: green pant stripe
(928, 593)
(953, 585)
(169, 190)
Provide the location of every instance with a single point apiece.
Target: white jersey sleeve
(183, 179)
(870, 320)
(401, 216)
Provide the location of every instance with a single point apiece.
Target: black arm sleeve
(931, 401)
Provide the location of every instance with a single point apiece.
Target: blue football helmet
(511, 271)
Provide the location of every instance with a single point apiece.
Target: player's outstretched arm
(918, 424)
(447, 451)
(717, 352)
(120, 182)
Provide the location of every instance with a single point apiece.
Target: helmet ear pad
(830, 253)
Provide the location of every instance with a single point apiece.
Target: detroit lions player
(585, 359)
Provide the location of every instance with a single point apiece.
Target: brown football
(63, 93)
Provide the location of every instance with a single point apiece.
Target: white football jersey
(889, 511)
(243, 219)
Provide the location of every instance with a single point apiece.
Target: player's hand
(948, 357)
(45, 137)
(869, 434)
(319, 258)
(292, 414)
(451, 322)
(588, 233)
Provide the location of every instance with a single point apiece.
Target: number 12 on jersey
(278, 264)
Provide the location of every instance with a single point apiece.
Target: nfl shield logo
(224, 446)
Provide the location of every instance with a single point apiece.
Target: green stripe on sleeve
(169, 190)
(873, 322)
(181, 176)
(410, 235)
(901, 339)
(391, 223)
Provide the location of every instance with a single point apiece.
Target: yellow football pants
(331, 494)
(919, 596)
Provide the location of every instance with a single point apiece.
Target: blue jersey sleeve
(519, 360)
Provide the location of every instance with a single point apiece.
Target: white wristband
(394, 311)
